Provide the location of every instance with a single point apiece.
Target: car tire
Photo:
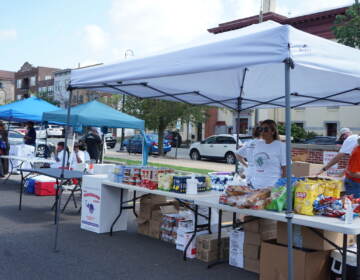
(195, 155)
(230, 158)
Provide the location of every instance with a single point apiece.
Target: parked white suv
(222, 146)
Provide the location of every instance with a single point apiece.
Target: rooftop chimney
(269, 6)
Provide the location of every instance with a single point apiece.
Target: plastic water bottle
(349, 215)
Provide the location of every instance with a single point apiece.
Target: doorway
(331, 129)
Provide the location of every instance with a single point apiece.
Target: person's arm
(241, 160)
(332, 162)
(353, 174)
(80, 157)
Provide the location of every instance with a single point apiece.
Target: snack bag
(165, 181)
(277, 199)
(305, 194)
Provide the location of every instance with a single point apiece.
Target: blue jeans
(352, 187)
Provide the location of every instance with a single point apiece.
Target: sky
(67, 33)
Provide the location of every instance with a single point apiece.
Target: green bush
(298, 133)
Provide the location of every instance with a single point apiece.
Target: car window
(210, 140)
(225, 140)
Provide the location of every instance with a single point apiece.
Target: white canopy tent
(265, 65)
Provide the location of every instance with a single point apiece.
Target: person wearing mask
(4, 149)
(352, 173)
(93, 144)
(76, 157)
(269, 157)
(350, 142)
(30, 136)
(245, 155)
(59, 154)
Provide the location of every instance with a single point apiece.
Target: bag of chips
(306, 193)
(277, 199)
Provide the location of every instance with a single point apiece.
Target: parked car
(222, 146)
(321, 140)
(15, 137)
(134, 144)
(173, 137)
(110, 140)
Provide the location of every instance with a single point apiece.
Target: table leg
(21, 189)
(134, 204)
(344, 257)
(120, 211)
(209, 221)
(358, 257)
(57, 214)
(196, 210)
(56, 201)
(234, 221)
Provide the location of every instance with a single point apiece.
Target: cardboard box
(154, 228)
(153, 199)
(304, 237)
(252, 265)
(302, 169)
(308, 265)
(253, 224)
(143, 227)
(210, 241)
(252, 251)
(256, 238)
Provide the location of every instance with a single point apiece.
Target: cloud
(8, 34)
(95, 38)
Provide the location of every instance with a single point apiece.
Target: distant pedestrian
(4, 148)
(30, 136)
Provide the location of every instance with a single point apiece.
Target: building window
(331, 129)
(32, 81)
(18, 83)
(1, 85)
(48, 77)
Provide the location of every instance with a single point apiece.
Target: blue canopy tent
(97, 114)
(29, 109)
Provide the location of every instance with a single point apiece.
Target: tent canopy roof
(212, 72)
(29, 109)
(94, 113)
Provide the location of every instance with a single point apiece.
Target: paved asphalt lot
(26, 248)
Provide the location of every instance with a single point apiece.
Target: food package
(306, 193)
(238, 190)
(277, 199)
(165, 181)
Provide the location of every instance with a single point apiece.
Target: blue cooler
(29, 185)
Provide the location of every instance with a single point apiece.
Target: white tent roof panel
(212, 72)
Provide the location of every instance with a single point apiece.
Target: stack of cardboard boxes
(256, 231)
(311, 256)
(207, 247)
(152, 210)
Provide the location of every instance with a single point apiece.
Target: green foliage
(347, 27)
(46, 96)
(298, 133)
(112, 100)
(161, 114)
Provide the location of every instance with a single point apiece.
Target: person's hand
(320, 172)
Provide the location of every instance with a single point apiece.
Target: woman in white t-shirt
(269, 157)
(77, 156)
(247, 152)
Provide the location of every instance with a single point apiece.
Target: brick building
(30, 80)
(333, 118)
(7, 79)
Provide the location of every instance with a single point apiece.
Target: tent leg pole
(289, 212)
(62, 173)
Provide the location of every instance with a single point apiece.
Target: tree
(112, 100)
(347, 27)
(160, 114)
(297, 132)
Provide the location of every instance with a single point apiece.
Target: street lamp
(127, 53)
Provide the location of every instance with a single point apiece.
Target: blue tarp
(29, 109)
(96, 114)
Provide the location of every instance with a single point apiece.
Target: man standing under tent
(30, 136)
(350, 142)
(93, 144)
